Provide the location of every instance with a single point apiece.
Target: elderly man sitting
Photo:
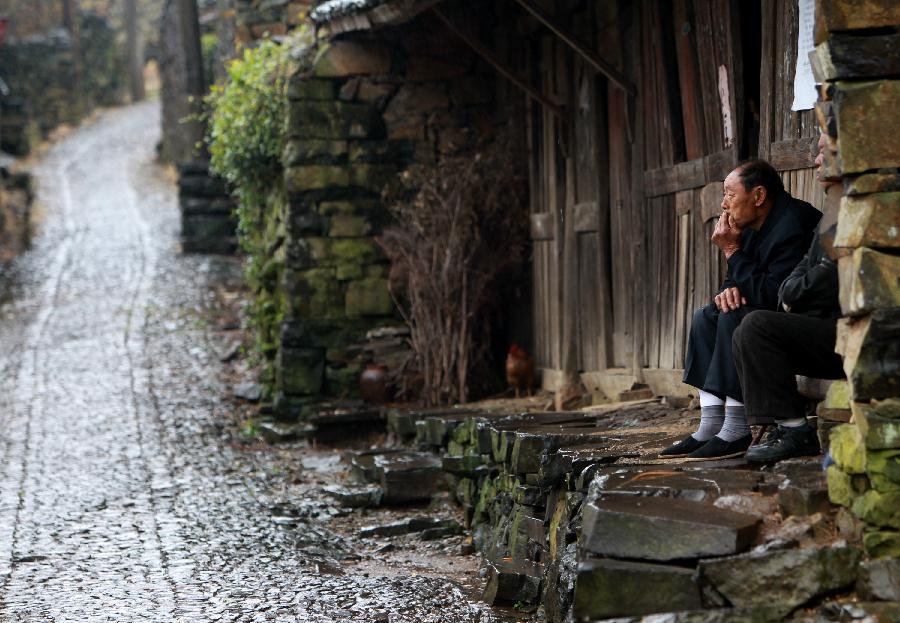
(763, 233)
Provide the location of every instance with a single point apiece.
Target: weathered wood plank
(794, 153)
(691, 101)
(543, 226)
(587, 217)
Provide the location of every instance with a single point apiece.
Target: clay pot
(373, 384)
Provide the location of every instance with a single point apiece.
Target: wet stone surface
(123, 493)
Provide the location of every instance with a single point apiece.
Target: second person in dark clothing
(772, 347)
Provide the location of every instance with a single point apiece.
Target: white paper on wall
(804, 83)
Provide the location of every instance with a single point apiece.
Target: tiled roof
(347, 15)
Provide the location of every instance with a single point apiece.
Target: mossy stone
(303, 87)
(882, 543)
(300, 370)
(373, 177)
(847, 448)
(348, 226)
(840, 488)
(838, 396)
(879, 509)
(334, 120)
(317, 294)
(306, 178)
(348, 272)
(878, 424)
(883, 468)
(368, 297)
(313, 151)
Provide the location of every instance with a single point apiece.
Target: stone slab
(510, 582)
(879, 580)
(759, 578)
(650, 528)
(409, 478)
(608, 588)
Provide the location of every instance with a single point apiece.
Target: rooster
(519, 370)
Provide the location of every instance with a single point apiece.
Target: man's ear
(759, 196)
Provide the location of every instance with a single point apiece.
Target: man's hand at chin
(729, 299)
(727, 235)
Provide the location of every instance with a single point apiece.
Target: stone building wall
(857, 62)
(373, 104)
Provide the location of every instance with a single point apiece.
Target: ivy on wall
(246, 135)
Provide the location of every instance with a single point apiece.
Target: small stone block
(879, 580)
(664, 529)
(758, 578)
(614, 588)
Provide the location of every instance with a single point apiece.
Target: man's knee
(703, 319)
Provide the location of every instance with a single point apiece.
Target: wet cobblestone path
(120, 498)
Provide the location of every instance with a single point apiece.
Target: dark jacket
(767, 256)
(812, 288)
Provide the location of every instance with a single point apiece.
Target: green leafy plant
(246, 119)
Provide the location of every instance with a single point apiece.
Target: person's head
(820, 162)
(750, 192)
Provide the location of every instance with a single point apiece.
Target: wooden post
(195, 85)
(190, 34)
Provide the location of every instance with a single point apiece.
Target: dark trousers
(709, 364)
(770, 349)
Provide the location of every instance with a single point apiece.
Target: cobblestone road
(119, 499)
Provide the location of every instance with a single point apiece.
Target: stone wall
(256, 18)
(857, 62)
(372, 104)
(51, 82)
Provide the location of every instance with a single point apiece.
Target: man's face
(820, 162)
(744, 207)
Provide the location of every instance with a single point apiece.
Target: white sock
(735, 426)
(711, 419)
(710, 400)
(793, 422)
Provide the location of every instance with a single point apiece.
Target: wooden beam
(585, 52)
(497, 64)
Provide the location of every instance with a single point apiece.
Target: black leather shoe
(682, 448)
(717, 448)
(789, 443)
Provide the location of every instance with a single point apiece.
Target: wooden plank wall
(641, 178)
(782, 131)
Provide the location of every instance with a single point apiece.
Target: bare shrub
(461, 225)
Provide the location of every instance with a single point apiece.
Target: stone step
(651, 528)
(607, 588)
(413, 477)
(787, 578)
(513, 581)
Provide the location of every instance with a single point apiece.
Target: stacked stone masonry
(259, 18)
(857, 112)
(208, 224)
(573, 513)
(372, 105)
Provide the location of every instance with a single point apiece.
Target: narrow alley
(121, 498)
